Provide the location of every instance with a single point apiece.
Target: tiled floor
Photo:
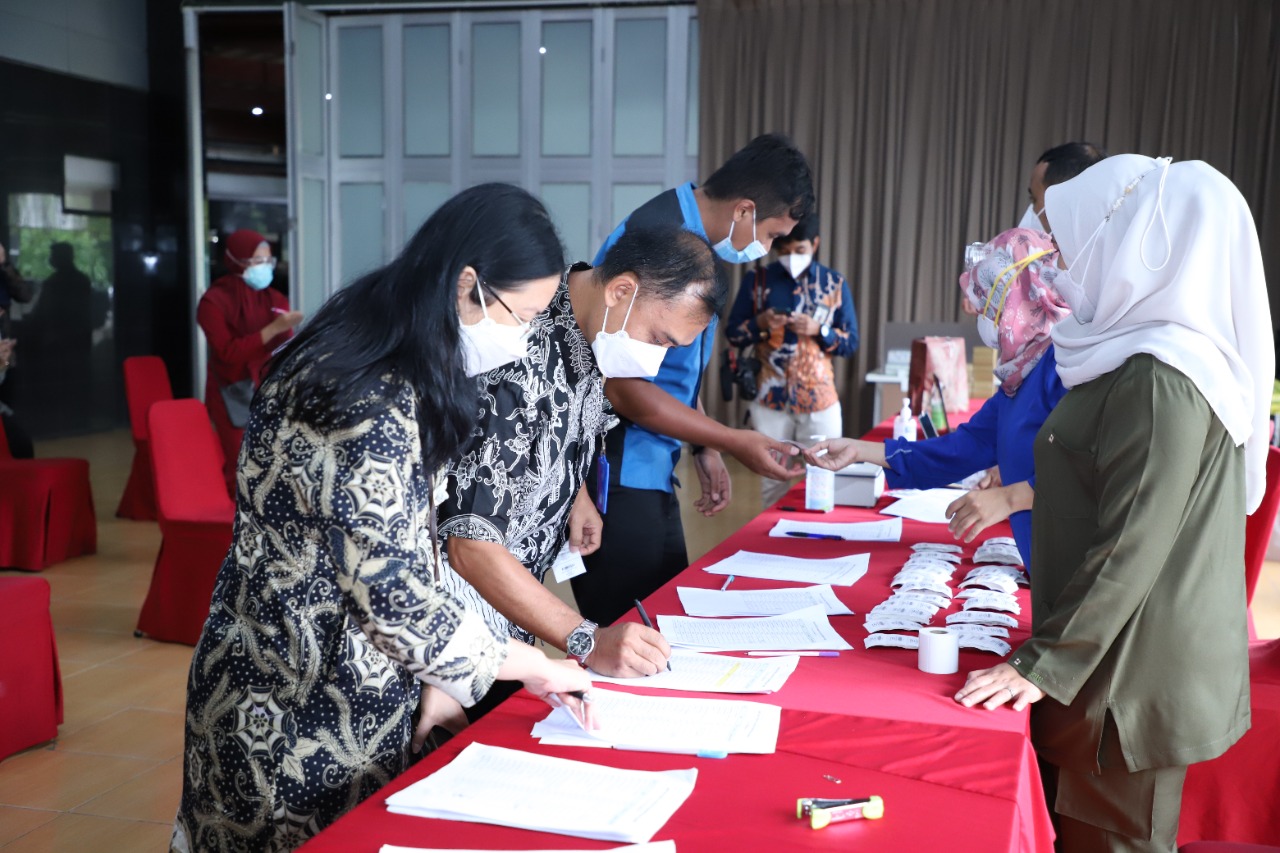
(111, 780)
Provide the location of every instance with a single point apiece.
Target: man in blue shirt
(757, 196)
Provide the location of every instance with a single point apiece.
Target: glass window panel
(426, 90)
(360, 91)
(570, 209)
(627, 197)
(421, 198)
(309, 75)
(313, 285)
(691, 96)
(360, 207)
(566, 88)
(495, 90)
(639, 86)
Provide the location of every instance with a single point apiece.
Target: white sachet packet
(982, 617)
(896, 641)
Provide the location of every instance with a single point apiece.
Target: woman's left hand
(981, 508)
(438, 709)
(995, 686)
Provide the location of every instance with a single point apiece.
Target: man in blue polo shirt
(757, 196)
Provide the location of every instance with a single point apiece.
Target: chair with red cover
(1257, 527)
(1233, 797)
(30, 682)
(46, 511)
(195, 516)
(146, 381)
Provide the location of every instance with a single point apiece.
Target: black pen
(802, 535)
(644, 617)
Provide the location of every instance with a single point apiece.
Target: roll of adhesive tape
(939, 651)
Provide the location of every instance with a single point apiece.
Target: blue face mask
(754, 251)
(259, 276)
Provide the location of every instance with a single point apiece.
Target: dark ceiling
(242, 67)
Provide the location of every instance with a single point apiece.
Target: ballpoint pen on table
(726, 583)
(797, 654)
(802, 535)
(644, 617)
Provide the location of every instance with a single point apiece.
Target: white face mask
(619, 356)
(489, 344)
(796, 263)
(1072, 293)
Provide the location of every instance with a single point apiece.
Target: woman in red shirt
(244, 321)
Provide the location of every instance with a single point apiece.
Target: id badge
(568, 565)
(602, 484)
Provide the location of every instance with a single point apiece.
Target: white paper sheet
(703, 673)
(888, 530)
(929, 505)
(759, 602)
(668, 846)
(508, 787)
(837, 571)
(668, 724)
(803, 629)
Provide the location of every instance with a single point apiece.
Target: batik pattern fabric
(325, 619)
(538, 426)
(796, 371)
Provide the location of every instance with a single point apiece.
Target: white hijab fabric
(1175, 272)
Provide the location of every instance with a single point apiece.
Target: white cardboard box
(860, 484)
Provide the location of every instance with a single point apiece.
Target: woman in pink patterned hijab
(1012, 290)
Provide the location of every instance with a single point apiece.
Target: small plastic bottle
(939, 413)
(819, 485)
(904, 425)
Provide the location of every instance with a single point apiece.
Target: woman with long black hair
(327, 617)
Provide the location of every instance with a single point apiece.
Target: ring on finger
(1012, 695)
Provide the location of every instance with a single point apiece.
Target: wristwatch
(582, 641)
(826, 329)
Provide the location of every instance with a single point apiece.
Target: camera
(739, 368)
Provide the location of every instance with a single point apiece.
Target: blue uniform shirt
(649, 459)
(1002, 432)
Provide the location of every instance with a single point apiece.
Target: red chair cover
(146, 381)
(1257, 527)
(46, 511)
(1234, 797)
(195, 516)
(30, 682)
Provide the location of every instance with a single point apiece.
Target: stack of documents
(759, 602)
(668, 724)
(667, 846)
(889, 530)
(840, 571)
(699, 673)
(507, 787)
(808, 628)
(927, 505)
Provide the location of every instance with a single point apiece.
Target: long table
(952, 778)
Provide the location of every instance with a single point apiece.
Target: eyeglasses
(257, 262)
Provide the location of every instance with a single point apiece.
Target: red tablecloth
(952, 778)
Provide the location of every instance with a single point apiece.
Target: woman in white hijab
(1146, 470)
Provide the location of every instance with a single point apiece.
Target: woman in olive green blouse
(1138, 655)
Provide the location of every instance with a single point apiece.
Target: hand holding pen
(629, 650)
(644, 617)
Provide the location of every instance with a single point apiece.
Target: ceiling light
(256, 111)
